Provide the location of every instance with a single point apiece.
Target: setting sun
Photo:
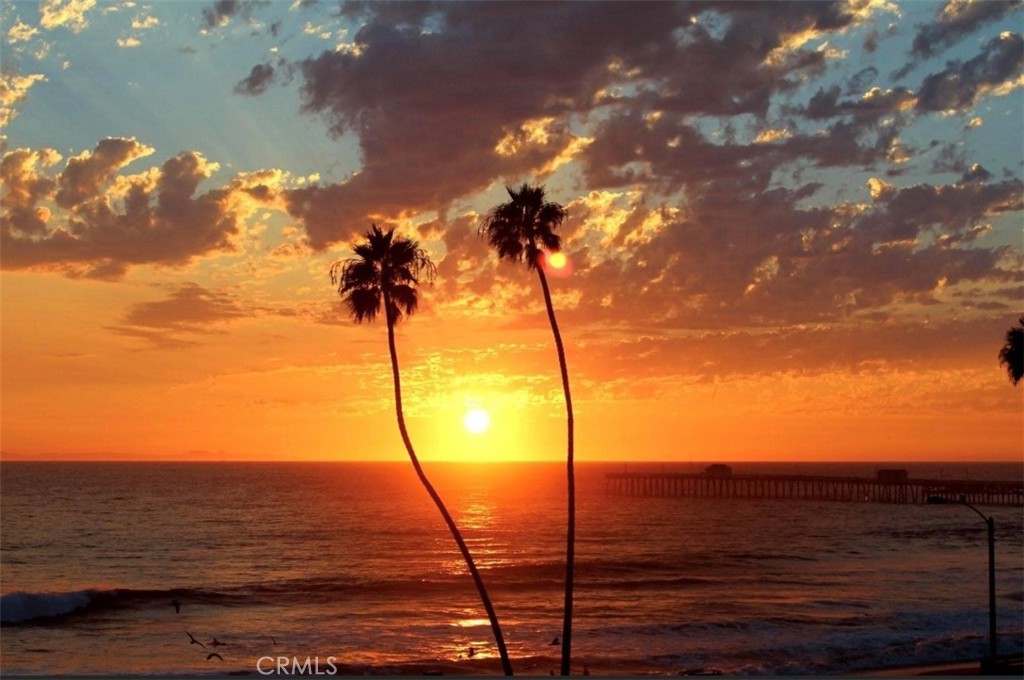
(477, 421)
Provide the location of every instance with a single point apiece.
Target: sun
(476, 421)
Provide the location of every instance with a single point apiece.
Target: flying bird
(554, 642)
(211, 655)
(218, 643)
(193, 641)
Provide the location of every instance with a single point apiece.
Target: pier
(885, 488)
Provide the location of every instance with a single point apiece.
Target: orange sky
(801, 247)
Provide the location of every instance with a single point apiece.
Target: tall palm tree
(521, 230)
(385, 272)
(1012, 353)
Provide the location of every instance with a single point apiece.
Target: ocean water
(349, 565)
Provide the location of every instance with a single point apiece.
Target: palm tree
(1012, 353)
(385, 272)
(521, 230)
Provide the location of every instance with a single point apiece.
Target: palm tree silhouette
(521, 230)
(1012, 353)
(386, 272)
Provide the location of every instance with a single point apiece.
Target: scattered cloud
(13, 89)
(68, 14)
(21, 32)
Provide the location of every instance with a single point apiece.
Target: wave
(22, 608)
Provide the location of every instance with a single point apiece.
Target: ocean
(348, 566)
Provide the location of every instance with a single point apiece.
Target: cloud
(738, 250)
(190, 307)
(91, 220)
(258, 80)
(188, 312)
(67, 13)
(414, 67)
(84, 175)
(26, 186)
(867, 109)
(21, 32)
(956, 20)
(222, 12)
(13, 89)
(143, 22)
(961, 84)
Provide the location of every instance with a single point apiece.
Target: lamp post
(990, 525)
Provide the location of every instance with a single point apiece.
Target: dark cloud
(107, 226)
(760, 257)
(444, 98)
(220, 12)
(188, 312)
(859, 82)
(732, 57)
(868, 108)
(956, 20)
(190, 307)
(960, 84)
(25, 188)
(82, 178)
(223, 11)
(259, 79)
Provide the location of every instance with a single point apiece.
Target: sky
(794, 229)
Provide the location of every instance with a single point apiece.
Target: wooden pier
(812, 487)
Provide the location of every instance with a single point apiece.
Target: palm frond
(363, 303)
(405, 301)
(385, 266)
(1012, 353)
(518, 229)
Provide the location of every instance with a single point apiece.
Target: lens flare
(557, 264)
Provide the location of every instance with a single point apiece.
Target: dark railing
(814, 487)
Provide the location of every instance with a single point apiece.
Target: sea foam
(22, 607)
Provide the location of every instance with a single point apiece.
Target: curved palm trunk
(570, 548)
(456, 534)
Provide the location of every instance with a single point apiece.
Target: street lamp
(990, 524)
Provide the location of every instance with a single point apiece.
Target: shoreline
(544, 667)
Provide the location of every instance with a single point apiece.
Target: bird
(554, 642)
(193, 641)
(471, 653)
(214, 654)
(218, 643)
(272, 640)
(177, 606)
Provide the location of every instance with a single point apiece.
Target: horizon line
(14, 458)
